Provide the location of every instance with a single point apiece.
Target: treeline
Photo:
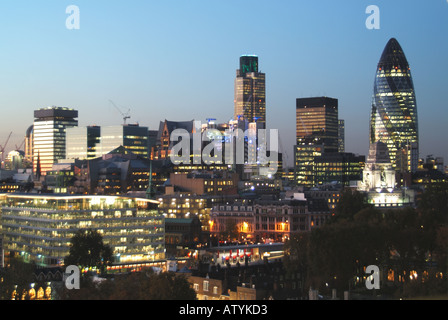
(409, 245)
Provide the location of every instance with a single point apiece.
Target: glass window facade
(49, 131)
(40, 227)
(83, 142)
(250, 91)
(394, 109)
(132, 137)
(317, 130)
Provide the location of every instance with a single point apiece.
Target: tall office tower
(83, 142)
(49, 131)
(317, 133)
(250, 92)
(131, 136)
(394, 109)
(341, 136)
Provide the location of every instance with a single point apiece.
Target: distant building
(202, 183)
(317, 132)
(183, 234)
(161, 150)
(341, 135)
(250, 91)
(269, 218)
(83, 142)
(394, 119)
(49, 136)
(340, 168)
(132, 137)
(379, 180)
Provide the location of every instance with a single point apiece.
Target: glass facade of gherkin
(394, 108)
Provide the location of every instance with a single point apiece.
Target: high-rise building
(49, 133)
(394, 109)
(341, 133)
(133, 138)
(317, 130)
(83, 142)
(250, 91)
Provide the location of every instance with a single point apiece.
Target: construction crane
(2, 148)
(125, 115)
(21, 144)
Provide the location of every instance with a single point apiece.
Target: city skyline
(178, 62)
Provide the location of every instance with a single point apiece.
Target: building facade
(250, 91)
(49, 136)
(39, 227)
(83, 142)
(268, 219)
(394, 118)
(339, 167)
(132, 137)
(317, 132)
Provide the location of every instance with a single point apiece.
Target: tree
(350, 203)
(231, 232)
(135, 286)
(88, 250)
(15, 279)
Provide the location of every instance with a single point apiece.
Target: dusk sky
(177, 60)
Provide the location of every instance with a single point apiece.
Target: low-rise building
(39, 227)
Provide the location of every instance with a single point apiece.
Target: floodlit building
(379, 180)
(39, 227)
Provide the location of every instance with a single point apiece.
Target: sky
(177, 60)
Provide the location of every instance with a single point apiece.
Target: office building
(338, 167)
(132, 137)
(49, 136)
(39, 227)
(394, 118)
(317, 132)
(250, 91)
(83, 142)
(341, 135)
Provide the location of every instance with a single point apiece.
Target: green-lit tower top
(248, 64)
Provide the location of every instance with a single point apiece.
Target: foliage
(15, 279)
(350, 203)
(134, 286)
(401, 239)
(88, 250)
(231, 231)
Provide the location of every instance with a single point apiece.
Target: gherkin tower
(393, 118)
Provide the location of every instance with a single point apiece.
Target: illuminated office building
(39, 227)
(394, 109)
(83, 142)
(132, 137)
(250, 91)
(49, 136)
(341, 135)
(317, 132)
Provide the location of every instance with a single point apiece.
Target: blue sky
(176, 60)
